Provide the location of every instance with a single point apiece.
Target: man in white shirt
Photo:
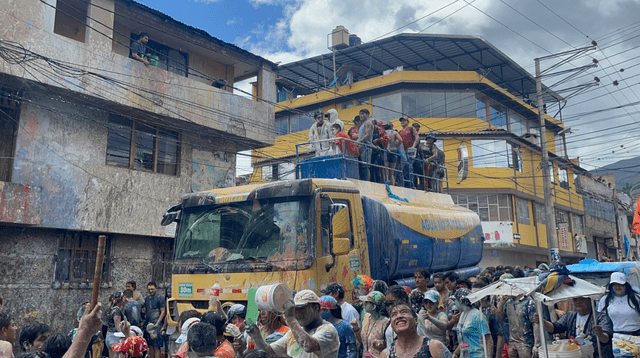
(309, 337)
(335, 290)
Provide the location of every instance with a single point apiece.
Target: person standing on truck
(310, 336)
(622, 305)
(374, 324)
(434, 162)
(318, 132)
(365, 136)
(396, 156)
(335, 290)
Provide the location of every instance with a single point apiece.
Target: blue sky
(289, 30)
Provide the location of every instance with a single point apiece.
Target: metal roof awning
(415, 52)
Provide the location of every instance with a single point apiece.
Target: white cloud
(302, 32)
(206, 1)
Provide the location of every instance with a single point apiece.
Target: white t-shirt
(580, 322)
(623, 316)
(349, 313)
(326, 335)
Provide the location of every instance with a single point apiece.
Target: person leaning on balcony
(139, 50)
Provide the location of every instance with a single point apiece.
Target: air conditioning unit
(531, 138)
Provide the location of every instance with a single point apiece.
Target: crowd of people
(381, 321)
(384, 154)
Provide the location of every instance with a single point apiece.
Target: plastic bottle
(214, 295)
(464, 351)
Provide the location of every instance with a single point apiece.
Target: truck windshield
(272, 231)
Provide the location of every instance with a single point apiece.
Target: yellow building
(476, 101)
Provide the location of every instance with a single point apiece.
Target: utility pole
(550, 215)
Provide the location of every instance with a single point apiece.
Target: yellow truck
(309, 232)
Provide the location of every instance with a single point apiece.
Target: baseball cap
(404, 118)
(328, 302)
(618, 277)
(305, 297)
(185, 328)
(136, 330)
(432, 296)
(333, 287)
(375, 297)
(133, 346)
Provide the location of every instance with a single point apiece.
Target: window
(300, 122)
(552, 176)
(562, 216)
(481, 111)
(267, 173)
(8, 136)
(461, 104)
(564, 178)
(599, 209)
(162, 260)
(387, 107)
(282, 125)
(578, 227)
(76, 258)
(286, 171)
(540, 212)
(498, 115)
(169, 59)
(494, 154)
(518, 124)
(362, 101)
(71, 19)
(559, 139)
(345, 105)
(137, 146)
(523, 211)
(325, 223)
(491, 207)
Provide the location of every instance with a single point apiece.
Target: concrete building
(94, 142)
(476, 100)
(600, 218)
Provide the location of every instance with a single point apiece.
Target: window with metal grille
(76, 258)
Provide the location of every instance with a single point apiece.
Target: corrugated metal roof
(416, 52)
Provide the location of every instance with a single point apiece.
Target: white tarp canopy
(527, 285)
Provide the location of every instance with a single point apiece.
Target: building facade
(95, 142)
(476, 101)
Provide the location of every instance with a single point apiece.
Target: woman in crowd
(332, 313)
(373, 325)
(432, 322)
(622, 306)
(409, 344)
(114, 315)
(472, 328)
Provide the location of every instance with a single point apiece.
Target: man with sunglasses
(310, 336)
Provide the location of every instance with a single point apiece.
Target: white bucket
(272, 297)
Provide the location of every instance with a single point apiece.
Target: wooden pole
(97, 275)
(595, 322)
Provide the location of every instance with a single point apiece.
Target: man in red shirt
(352, 148)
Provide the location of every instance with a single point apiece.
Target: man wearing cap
(335, 290)
(182, 339)
(310, 336)
(318, 132)
(582, 323)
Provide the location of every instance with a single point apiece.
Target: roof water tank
(354, 40)
(340, 37)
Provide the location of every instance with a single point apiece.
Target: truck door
(337, 258)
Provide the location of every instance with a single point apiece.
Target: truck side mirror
(340, 222)
(172, 215)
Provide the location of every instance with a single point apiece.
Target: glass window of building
(490, 154)
(498, 115)
(559, 145)
(345, 105)
(564, 178)
(438, 105)
(300, 122)
(490, 207)
(461, 104)
(518, 123)
(578, 228)
(286, 171)
(523, 211)
(481, 110)
(282, 125)
(540, 212)
(387, 107)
